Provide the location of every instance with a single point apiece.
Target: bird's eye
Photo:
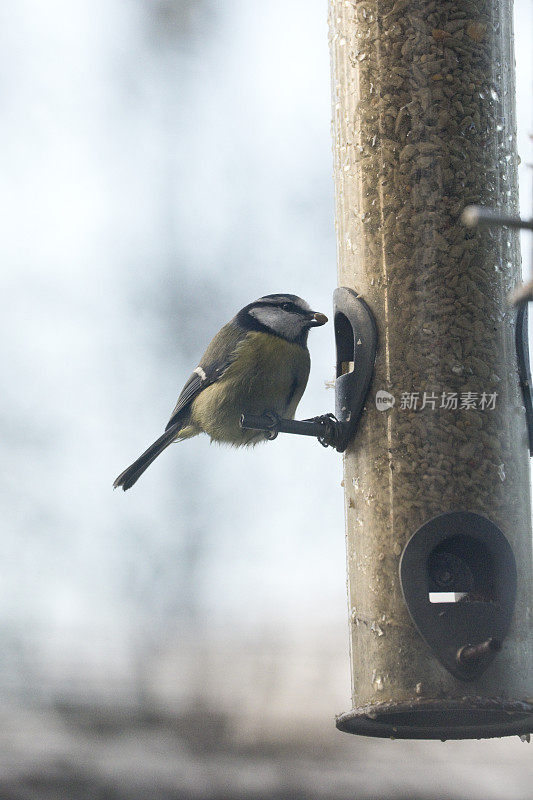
(287, 306)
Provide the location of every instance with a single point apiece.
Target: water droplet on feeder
(376, 629)
(377, 681)
(501, 472)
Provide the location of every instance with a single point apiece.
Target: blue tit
(257, 363)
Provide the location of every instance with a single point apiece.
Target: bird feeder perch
(438, 515)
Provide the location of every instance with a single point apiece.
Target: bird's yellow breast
(267, 374)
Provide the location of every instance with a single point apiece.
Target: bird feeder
(438, 516)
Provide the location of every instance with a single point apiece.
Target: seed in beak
(318, 319)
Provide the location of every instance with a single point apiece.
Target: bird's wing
(216, 359)
(300, 377)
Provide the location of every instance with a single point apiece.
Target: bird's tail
(132, 474)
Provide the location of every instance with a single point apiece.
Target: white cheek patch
(199, 371)
(271, 317)
(256, 313)
(287, 324)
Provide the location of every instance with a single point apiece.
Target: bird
(257, 363)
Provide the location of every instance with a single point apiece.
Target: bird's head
(284, 315)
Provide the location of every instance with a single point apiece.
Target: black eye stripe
(286, 306)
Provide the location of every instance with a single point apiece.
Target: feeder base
(466, 718)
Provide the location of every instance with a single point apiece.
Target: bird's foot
(331, 429)
(273, 428)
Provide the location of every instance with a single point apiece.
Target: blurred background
(165, 162)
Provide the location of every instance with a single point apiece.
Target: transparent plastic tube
(424, 124)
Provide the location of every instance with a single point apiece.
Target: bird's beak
(316, 319)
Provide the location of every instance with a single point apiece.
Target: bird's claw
(331, 429)
(273, 428)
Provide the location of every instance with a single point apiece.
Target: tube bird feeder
(437, 493)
